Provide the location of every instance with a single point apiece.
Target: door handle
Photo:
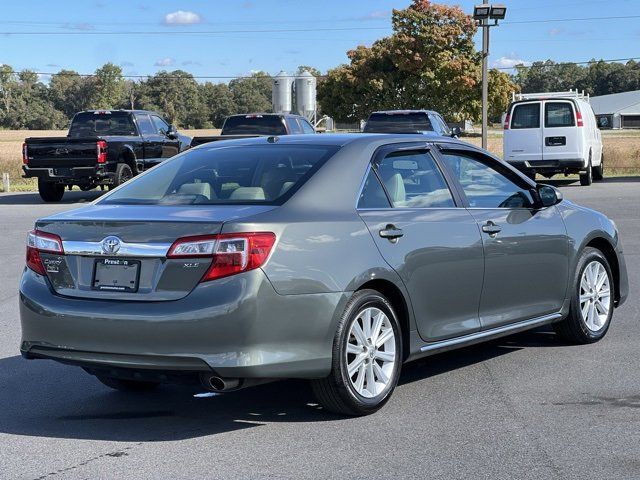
(491, 228)
(391, 233)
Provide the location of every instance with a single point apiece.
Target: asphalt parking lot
(525, 406)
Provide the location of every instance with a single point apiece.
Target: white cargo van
(550, 133)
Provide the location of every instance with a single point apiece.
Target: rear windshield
(254, 125)
(258, 174)
(398, 123)
(526, 115)
(90, 124)
(558, 114)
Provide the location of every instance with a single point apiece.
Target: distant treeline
(27, 102)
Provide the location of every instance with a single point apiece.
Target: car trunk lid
(120, 252)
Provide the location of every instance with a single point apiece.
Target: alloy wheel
(371, 352)
(595, 296)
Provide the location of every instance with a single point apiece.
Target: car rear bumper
(67, 175)
(549, 166)
(235, 327)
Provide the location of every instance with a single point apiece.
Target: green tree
(501, 87)
(108, 85)
(252, 94)
(70, 93)
(218, 101)
(430, 61)
(176, 95)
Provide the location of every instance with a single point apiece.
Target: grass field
(621, 150)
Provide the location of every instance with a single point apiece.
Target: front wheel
(592, 294)
(367, 357)
(50, 192)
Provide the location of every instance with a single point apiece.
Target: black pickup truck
(258, 124)
(102, 148)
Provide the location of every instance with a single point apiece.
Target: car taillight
(231, 253)
(579, 121)
(25, 154)
(101, 151)
(41, 242)
(507, 119)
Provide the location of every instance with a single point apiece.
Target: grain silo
(305, 87)
(281, 93)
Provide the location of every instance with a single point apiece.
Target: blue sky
(241, 52)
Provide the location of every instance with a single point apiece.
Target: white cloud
(164, 62)
(181, 17)
(509, 61)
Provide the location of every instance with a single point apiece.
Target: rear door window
(145, 125)
(293, 126)
(161, 126)
(411, 179)
(558, 114)
(526, 115)
(306, 126)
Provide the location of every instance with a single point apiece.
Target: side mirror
(455, 132)
(548, 195)
(172, 131)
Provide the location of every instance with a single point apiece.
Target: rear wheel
(49, 191)
(123, 173)
(598, 172)
(586, 178)
(591, 301)
(127, 385)
(367, 357)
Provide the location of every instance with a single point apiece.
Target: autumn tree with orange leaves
(430, 61)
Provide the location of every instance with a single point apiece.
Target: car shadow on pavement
(31, 198)
(47, 399)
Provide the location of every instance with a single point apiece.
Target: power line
(284, 30)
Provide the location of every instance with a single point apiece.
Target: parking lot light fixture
(487, 16)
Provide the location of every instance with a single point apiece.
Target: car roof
(400, 112)
(339, 139)
(118, 110)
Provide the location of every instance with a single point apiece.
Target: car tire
(50, 192)
(589, 298)
(598, 172)
(586, 178)
(369, 338)
(123, 174)
(124, 385)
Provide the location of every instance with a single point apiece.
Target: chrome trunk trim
(125, 250)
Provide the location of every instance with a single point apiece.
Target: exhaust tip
(218, 384)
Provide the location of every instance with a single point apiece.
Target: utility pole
(487, 16)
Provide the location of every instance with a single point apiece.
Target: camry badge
(111, 245)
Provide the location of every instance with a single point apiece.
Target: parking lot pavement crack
(532, 435)
(113, 454)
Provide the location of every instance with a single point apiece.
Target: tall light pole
(486, 16)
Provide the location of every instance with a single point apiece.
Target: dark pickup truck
(425, 122)
(257, 125)
(103, 147)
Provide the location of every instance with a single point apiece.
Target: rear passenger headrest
(247, 193)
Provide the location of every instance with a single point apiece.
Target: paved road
(522, 407)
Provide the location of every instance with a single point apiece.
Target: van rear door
(561, 131)
(523, 138)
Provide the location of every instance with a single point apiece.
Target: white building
(618, 110)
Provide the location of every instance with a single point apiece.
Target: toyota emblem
(111, 245)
